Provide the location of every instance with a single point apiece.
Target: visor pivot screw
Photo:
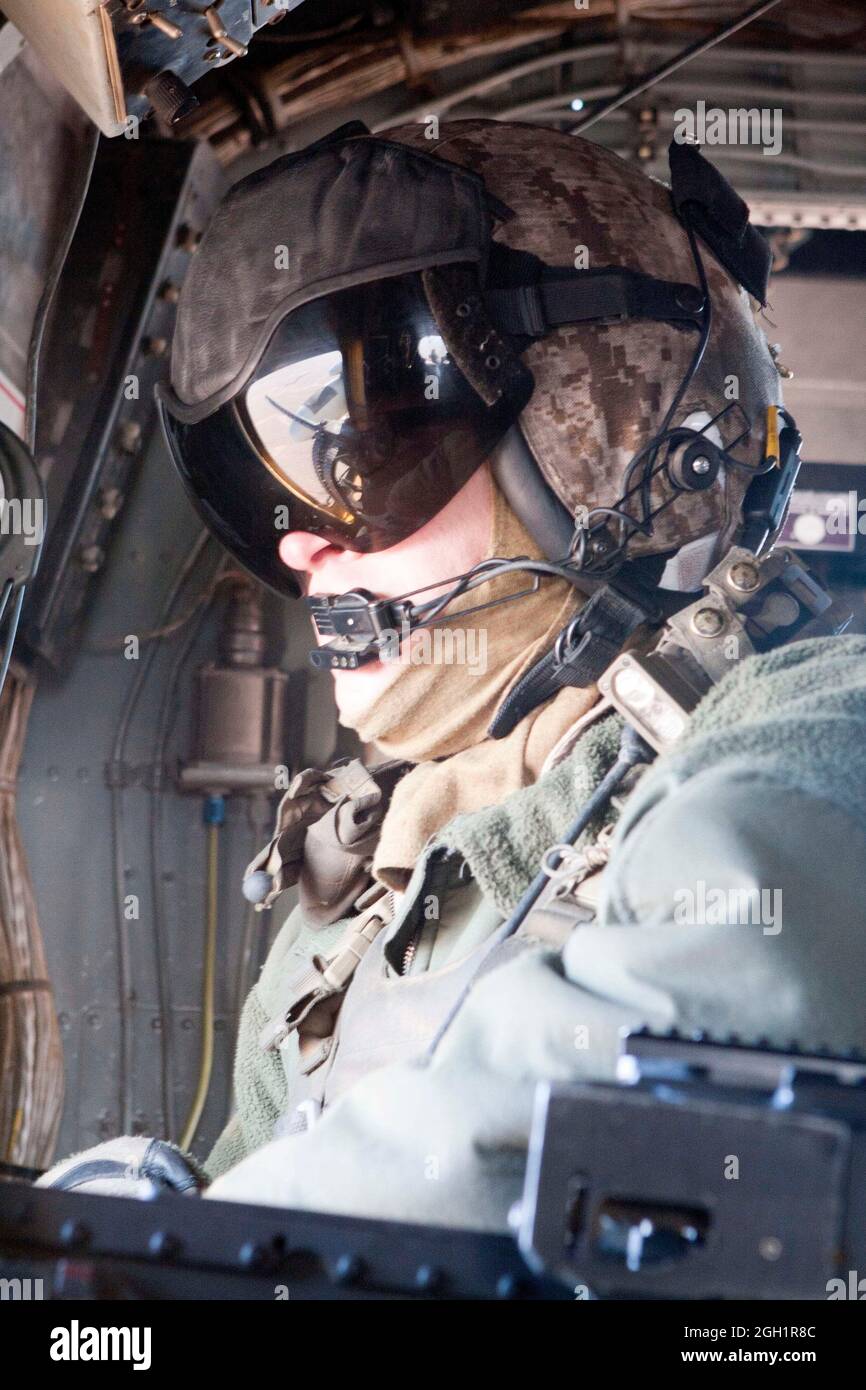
(744, 576)
(689, 297)
(701, 466)
(708, 622)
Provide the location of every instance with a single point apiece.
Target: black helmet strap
(528, 299)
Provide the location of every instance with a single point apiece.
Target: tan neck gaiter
(447, 690)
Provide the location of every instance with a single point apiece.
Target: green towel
(796, 715)
(503, 844)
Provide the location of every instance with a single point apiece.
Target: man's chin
(355, 691)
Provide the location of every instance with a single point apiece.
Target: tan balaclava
(445, 692)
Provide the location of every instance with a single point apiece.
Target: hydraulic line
(199, 611)
(124, 955)
(214, 816)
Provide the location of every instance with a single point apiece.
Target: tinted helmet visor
(358, 425)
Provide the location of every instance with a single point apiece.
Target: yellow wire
(17, 1122)
(771, 451)
(207, 991)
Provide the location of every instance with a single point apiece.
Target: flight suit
(294, 1060)
(765, 795)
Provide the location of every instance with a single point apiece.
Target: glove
(132, 1166)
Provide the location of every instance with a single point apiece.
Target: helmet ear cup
(693, 464)
(533, 502)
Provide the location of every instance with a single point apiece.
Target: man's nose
(298, 550)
